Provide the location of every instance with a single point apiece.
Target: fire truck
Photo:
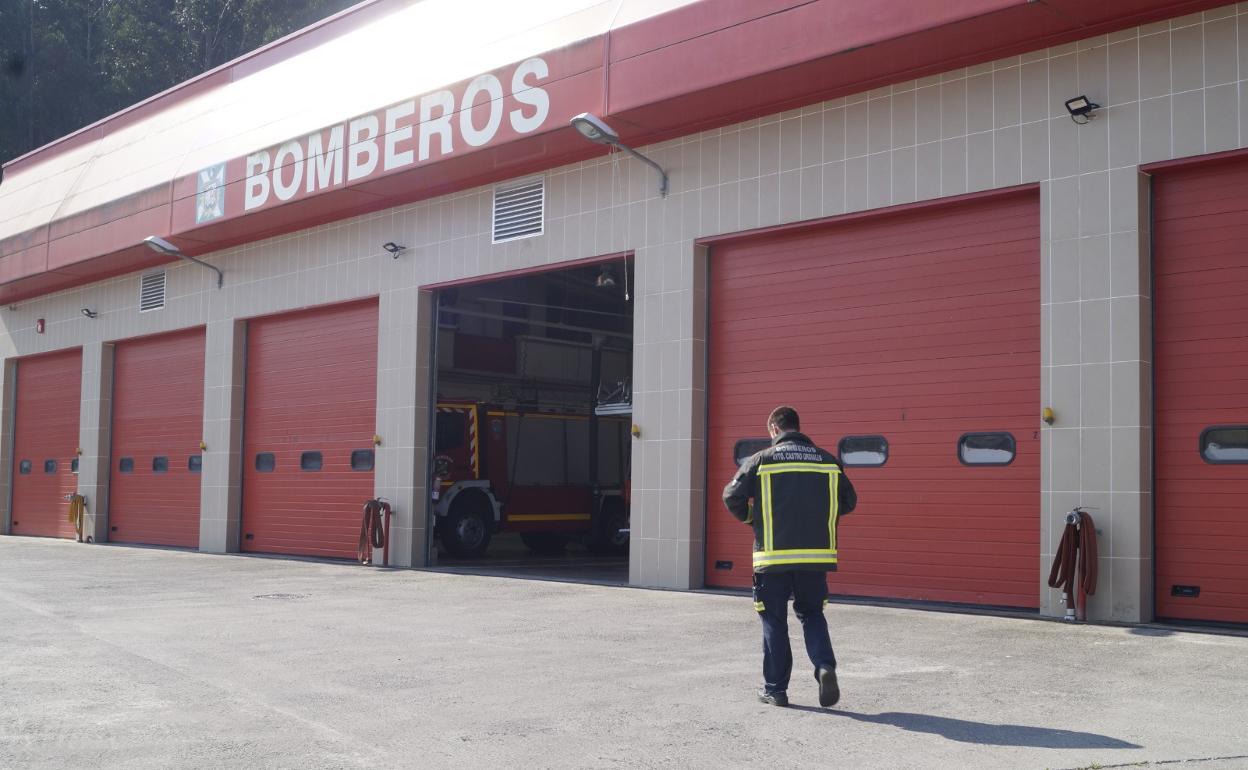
(553, 478)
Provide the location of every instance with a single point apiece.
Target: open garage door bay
(532, 447)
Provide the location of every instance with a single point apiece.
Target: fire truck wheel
(612, 536)
(545, 543)
(466, 530)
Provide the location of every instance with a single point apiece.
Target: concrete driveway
(114, 657)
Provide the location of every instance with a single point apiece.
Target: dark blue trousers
(772, 591)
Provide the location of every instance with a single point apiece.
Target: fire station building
(995, 252)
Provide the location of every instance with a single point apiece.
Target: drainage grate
(519, 210)
(281, 597)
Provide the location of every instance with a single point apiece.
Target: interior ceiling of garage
(573, 304)
(499, 341)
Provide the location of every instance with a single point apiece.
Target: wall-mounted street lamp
(89, 313)
(595, 130)
(161, 246)
(394, 248)
(1081, 107)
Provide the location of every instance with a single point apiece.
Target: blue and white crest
(210, 194)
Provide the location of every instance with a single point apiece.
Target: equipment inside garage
(533, 424)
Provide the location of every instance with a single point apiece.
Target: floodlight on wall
(1081, 107)
(161, 246)
(394, 248)
(605, 279)
(595, 130)
(89, 313)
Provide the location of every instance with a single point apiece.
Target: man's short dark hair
(785, 419)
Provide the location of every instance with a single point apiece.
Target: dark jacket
(791, 494)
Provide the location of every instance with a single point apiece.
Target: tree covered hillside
(65, 64)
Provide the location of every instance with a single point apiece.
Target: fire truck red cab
(539, 474)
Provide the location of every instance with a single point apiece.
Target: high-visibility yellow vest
(800, 531)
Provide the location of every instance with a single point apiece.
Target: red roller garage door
(918, 326)
(311, 409)
(1201, 349)
(158, 421)
(45, 443)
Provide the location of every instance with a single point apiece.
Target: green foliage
(65, 64)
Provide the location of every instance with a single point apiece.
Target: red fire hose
(373, 534)
(1074, 565)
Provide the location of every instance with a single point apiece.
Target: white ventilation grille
(152, 292)
(519, 210)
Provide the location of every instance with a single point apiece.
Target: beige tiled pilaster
(669, 406)
(1096, 375)
(220, 497)
(94, 437)
(404, 355)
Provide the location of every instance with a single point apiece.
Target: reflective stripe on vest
(794, 556)
(767, 542)
(770, 556)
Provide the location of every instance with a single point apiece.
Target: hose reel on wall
(373, 533)
(78, 515)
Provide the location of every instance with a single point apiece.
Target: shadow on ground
(984, 733)
(1150, 631)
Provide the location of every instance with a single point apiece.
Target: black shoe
(773, 698)
(829, 690)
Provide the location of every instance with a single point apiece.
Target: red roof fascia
(736, 59)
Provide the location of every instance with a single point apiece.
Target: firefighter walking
(792, 494)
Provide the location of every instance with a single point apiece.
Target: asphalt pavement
(121, 657)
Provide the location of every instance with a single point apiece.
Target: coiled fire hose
(77, 513)
(1074, 565)
(373, 534)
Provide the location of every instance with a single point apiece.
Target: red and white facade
(879, 213)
